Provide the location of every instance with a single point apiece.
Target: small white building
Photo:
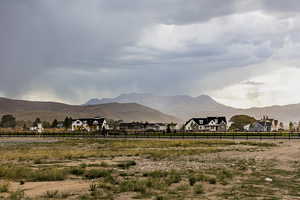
(39, 128)
(89, 124)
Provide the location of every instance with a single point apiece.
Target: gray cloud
(75, 48)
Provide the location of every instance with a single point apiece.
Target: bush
(17, 195)
(97, 173)
(156, 174)
(173, 178)
(126, 164)
(4, 187)
(77, 171)
(133, 186)
(51, 194)
(192, 180)
(52, 174)
(212, 181)
(198, 189)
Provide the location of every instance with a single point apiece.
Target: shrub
(198, 189)
(77, 171)
(156, 174)
(126, 164)
(51, 194)
(52, 174)
(173, 178)
(212, 181)
(133, 186)
(97, 173)
(192, 180)
(17, 195)
(4, 187)
(93, 187)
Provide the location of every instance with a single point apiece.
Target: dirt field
(36, 168)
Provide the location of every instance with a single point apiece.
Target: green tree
(239, 121)
(46, 124)
(291, 126)
(54, 123)
(36, 122)
(168, 128)
(67, 122)
(8, 121)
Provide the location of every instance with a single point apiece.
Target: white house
(89, 124)
(206, 124)
(39, 128)
(263, 125)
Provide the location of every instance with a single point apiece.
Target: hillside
(29, 110)
(184, 107)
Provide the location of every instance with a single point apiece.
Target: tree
(8, 121)
(46, 124)
(54, 123)
(239, 121)
(291, 126)
(168, 128)
(281, 126)
(36, 122)
(24, 127)
(67, 122)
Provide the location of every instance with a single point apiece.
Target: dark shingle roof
(207, 120)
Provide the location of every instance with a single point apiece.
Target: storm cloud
(74, 50)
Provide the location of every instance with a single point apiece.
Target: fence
(162, 135)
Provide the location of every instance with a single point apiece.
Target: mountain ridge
(29, 110)
(185, 107)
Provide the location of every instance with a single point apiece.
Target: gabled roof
(207, 120)
(90, 121)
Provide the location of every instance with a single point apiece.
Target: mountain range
(48, 111)
(185, 107)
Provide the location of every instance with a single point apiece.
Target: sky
(242, 53)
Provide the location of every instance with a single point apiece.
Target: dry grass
(145, 169)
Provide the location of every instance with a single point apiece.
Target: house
(140, 126)
(264, 125)
(206, 124)
(38, 128)
(89, 124)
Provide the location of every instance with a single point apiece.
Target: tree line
(10, 121)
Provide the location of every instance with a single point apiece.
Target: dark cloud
(93, 47)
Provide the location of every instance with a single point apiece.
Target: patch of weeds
(212, 180)
(55, 194)
(133, 186)
(17, 195)
(259, 144)
(223, 176)
(51, 194)
(93, 187)
(77, 171)
(192, 180)
(182, 187)
(83, 165)
(52, 174)
(104, 164)
(172, 178)
(4, 187)
(15, 172)
(126, 164)
(156, 174)
(97, 173)
(198, 189)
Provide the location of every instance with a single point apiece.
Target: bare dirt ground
(146, 169)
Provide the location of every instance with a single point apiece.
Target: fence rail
(162, 135)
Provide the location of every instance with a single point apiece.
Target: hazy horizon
(241, 53)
